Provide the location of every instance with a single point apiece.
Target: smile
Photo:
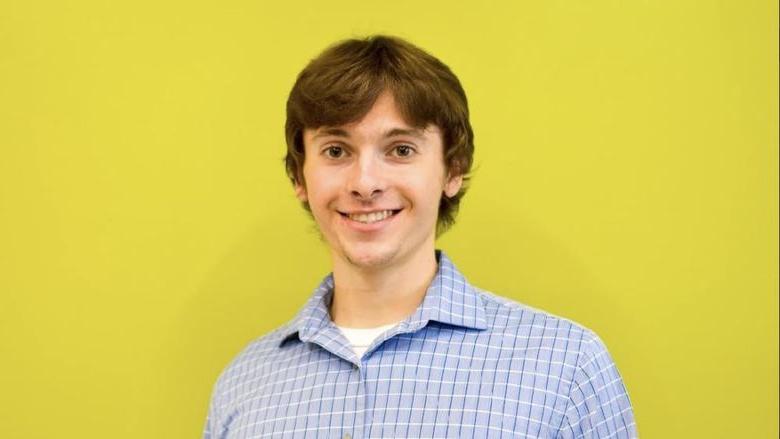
(370, 217)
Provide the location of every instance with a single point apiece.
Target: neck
(366, 298)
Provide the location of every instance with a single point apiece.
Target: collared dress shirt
(466, 364)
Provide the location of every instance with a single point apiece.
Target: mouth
(371, 217)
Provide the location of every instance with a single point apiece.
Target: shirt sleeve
(598, 406)
(212, 430)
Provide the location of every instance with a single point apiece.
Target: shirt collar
(449, 299)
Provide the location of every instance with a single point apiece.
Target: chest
(406, 388)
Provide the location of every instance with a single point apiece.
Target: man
(395, 342)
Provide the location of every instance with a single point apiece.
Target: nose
(366, 180)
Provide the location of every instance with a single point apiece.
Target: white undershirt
(361, 338)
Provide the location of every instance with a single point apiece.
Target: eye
(403, 150)
(334, 151)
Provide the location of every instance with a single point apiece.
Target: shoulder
(257, 355)
(508, 317)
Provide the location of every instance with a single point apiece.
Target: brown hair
(341, 85)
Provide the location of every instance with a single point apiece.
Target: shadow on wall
(258, 285)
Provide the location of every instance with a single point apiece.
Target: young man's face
(374, 186)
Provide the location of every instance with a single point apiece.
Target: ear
(300, 192)
(452, 186)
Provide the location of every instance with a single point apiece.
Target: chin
(369, 256)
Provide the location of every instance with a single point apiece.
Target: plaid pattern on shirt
(467, 363)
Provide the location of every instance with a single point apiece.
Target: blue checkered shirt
(466, 363)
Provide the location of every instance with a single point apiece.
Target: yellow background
(627, 178)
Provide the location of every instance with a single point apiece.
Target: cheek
(425, 190)
(322, 189)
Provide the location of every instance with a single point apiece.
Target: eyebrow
(339, 132)
(414, 132)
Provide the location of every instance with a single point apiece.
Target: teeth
(372, 217)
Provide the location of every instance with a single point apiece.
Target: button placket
(360, 399)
